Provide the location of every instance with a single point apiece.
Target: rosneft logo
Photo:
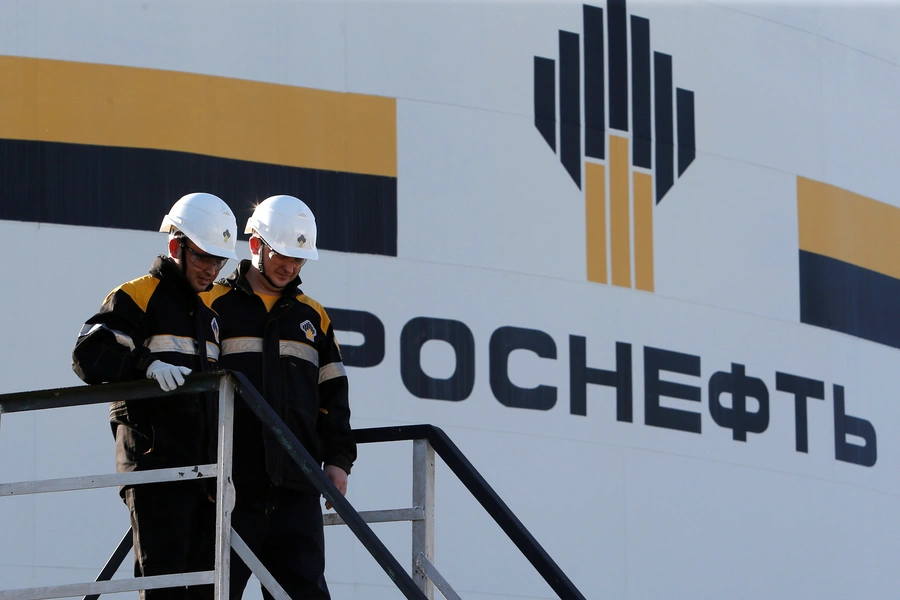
(309, 329)
(629, 153)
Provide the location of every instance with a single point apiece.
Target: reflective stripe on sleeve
(212, 351)
(172, 343)
(332, 370)
(121, 338)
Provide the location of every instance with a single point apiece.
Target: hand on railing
(168, 376)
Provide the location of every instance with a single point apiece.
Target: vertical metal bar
(224, 489)
(423, 497)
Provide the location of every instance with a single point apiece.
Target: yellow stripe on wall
(108, 105)
(619, 211)
(643, 231)
(849, 227)
(595, 219)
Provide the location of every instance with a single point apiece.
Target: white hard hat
(286, 225)
(207, 221)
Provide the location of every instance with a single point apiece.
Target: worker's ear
(174, 246)
(255, 243)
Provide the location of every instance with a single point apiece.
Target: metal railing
(469, 476)
(426, 440)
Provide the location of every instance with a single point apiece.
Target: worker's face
(200, 268)
(280, 269)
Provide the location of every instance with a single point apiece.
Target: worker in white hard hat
(157, 327)
(283, 341)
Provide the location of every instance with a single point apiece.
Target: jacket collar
(165, 269)
(238, 280)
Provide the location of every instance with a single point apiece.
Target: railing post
(224, 488)
(423, 497)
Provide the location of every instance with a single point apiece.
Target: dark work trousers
(174, 528)
(284, 530)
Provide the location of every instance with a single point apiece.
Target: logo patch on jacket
(215, 329)
(309, 329)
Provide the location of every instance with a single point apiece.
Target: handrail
(486, 496)
(445, 448)
(203, 382)
(84, 395)
(317, 477)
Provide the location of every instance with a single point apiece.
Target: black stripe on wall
(570, 104)
(133, 188)
(640, 91)
(687, 145)
(843, 297)
(594, 84)
(545, 99)
(618, 64)
(665, 137)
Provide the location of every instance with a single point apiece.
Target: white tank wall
(491, 233)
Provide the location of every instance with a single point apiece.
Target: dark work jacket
(155, 317)
(292, 358)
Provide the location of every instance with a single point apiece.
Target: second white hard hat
(287, 225)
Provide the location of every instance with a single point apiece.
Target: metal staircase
(427, 441)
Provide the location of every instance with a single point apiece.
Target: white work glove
(168, 376)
